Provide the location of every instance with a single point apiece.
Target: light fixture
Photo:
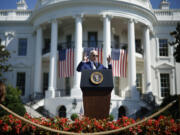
(74, 103)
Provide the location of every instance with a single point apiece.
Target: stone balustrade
(142, 3)
(167, 15)
(18, 15)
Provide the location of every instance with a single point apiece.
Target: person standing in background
(2, 91)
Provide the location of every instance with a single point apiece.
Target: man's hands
(85, 57)
(109, 59)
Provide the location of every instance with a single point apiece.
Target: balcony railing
(64, 45)
(143, 3)
(119, 45)
(45, 50)
(10, 15)
(139, 50)
(95, 44)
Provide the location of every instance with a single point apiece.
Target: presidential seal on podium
(96, 78)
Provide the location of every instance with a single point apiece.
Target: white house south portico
(131, 26)
(105, 19)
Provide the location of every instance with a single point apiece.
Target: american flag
(119, 62)
(66, 63)
(99, 50)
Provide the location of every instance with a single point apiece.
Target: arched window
(121, 112)
(62, 112)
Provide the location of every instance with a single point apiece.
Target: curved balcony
(138, 10)
(143, 3)
(95, 44)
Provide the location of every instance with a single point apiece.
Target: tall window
(163, 47)
(47, 43)
(21, 81)
(22, 47)
(165, 84)
(116, 41)
(92, 39)
(69, 41)
(138, 46)
(46, 47)
(139, 82)
(68, 86)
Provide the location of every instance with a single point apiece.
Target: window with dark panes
(69, 41)
(139, 82)
(46, 47)
(116, 41)
(92, 39)
(22, 47)
(163, 47)
(138, 45)
(165, 84)
(21, 81)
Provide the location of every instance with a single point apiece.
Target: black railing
(64, 45)
(119, 45)
(139, 50)
(95, 44)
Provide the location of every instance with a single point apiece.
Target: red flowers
(5, 128)
(163, 125)
(1, 122)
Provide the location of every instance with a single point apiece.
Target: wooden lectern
(96, 86)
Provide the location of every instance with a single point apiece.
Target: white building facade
(33, 37)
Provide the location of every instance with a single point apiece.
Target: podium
(96, 86)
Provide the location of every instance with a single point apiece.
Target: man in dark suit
(91, 63)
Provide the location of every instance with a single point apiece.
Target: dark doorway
(62, 112)
(121, 112)
(92, 39)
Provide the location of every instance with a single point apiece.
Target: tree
(4, 66)
(176, 43)
(13, 101)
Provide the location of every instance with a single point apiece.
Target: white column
(106, 38)
(147, 60)
(53, 60)
(132, 60)
(78, 55)
(38, 61)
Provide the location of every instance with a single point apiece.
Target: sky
(11, 4)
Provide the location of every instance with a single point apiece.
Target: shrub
(111, 117)
(74, 116)
(13, 101)
(173, 110)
